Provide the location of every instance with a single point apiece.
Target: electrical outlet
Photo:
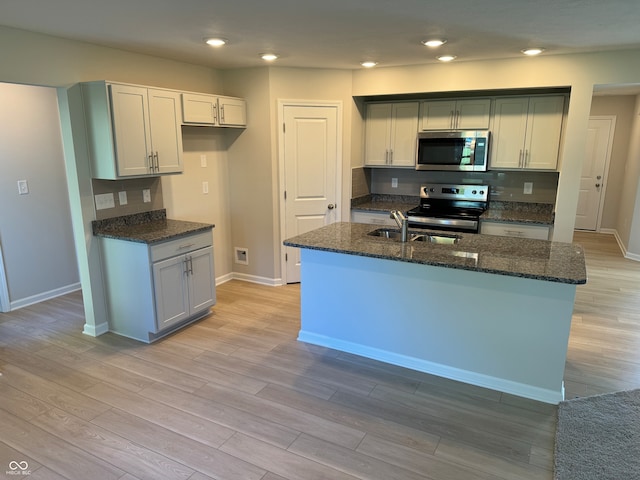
(205, 187)
(23, 187)
(203, 161)
(528, 188)
(146, 195)
(394, 183)
(122, 198)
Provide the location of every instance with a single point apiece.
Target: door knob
(597, 185)
(331, 206)
(599, 177)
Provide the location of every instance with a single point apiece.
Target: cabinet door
(509, 129)
(438, 115)
(232, 112)
(170, 288)
(473, 114)
(544, 126)
(377, 133)
(132, 131)
(201, 279)
(166, 135)
(404, 131)
(199, 109)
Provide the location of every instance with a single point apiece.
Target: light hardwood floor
(235, 396)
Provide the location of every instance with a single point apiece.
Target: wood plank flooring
(235, 396)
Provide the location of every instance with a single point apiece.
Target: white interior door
(594, 169)
(310, 143)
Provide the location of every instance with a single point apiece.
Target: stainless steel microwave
(462, 151)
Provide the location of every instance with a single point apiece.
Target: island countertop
(517, 257)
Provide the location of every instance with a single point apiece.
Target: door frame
(282, 104)
(605, 173)
(5, 303)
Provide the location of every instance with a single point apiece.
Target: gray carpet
(598, 438)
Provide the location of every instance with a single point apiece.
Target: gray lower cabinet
(154, 289)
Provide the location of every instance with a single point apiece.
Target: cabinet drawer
(539, 232)
(373, 218)
(181, 245)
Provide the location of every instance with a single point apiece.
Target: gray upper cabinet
(390, 134)
(213, 110)
(132, 131)
(455, 114)
(526, 133)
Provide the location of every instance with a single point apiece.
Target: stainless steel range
(455, 208)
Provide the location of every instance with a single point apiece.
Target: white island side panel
(501, 332)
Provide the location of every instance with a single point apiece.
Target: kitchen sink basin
(394, 234)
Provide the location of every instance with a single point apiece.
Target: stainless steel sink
(394, 234)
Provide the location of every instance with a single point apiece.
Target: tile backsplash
(505, 186)
(134, 192)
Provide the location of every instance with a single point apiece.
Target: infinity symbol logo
(18, 465)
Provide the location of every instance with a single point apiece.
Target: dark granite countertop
(517, 257)
(498, 211)
(518, 212)
(149, 227)
(384, 203)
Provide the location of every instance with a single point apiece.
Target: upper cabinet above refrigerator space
(213, 110)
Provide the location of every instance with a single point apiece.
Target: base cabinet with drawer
(154, 289)
(521, 230)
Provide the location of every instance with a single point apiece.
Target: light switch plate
(23, 187)
(394, 183)
(528, 188)
(146, 195)
(205, 187)
(203, 161)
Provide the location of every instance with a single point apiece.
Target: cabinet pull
(451, 119)
(186, 245)
(515, 233)
(186, 266)
(157, 161)
(190, 265)
(526, 158)
(150, 156)
(391, 157)
(520, 159)
(222, 114)
(215, 113)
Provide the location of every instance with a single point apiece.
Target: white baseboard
(271, 282)
(41, 297)
(95, 330)
(466, 376)
(623, 249)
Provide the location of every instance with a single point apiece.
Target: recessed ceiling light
(434, 42)
(369, 64)
(532, 51)
(446, 58)
(269, 57)
(216, 41)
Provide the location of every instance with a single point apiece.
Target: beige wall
(629, 216)
(579, 72)
(622, 107)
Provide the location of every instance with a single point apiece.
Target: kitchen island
(486, 310)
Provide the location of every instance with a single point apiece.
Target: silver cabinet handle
(520, 159)
(215, 113)
(526, 158)
(331, 206)
(386, 157)
(191, 265)
(222, 114)
(186, 245)
(186, 266)
(150, 156)
(155, 155)
(391, 157)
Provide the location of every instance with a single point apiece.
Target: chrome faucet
(403, 224)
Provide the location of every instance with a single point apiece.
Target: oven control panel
(477, 193)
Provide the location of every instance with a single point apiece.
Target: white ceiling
(333, 33)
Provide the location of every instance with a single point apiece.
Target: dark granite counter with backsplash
(517, 257)
(519, 212)
(147, 227)
(498, 211)
(384, 203)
